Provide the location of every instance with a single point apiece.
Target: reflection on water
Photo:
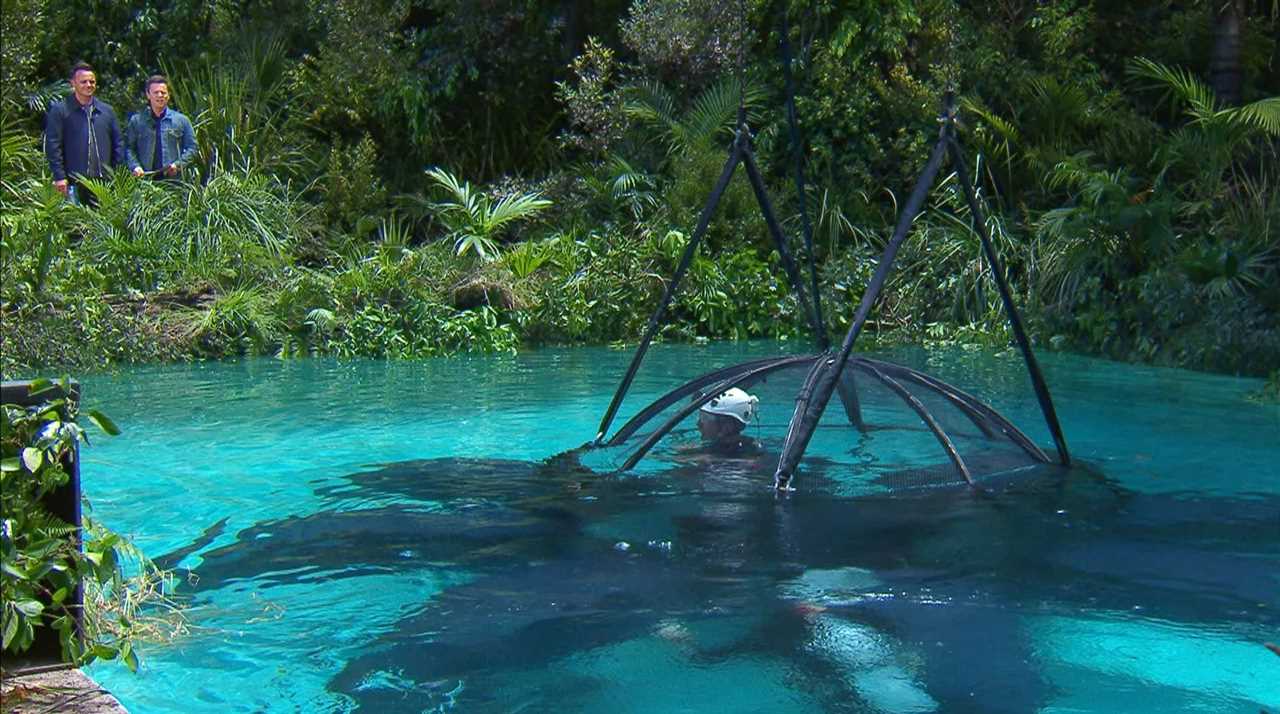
(393, 537)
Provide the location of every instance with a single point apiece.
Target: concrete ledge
(55, 689)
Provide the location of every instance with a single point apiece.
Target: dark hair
(154, 79)
(79, 67)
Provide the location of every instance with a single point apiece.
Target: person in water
(722, 420)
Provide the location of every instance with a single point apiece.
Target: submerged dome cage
(899, 427)
(945, 434)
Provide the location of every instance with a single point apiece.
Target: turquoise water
(383, 536)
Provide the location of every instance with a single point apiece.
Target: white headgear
(735, 403)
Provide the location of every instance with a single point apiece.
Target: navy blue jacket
(68, 143)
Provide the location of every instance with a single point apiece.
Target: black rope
(797, 152)
(997, 273)
(735, 157)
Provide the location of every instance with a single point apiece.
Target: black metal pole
(735, 157)
(797, 152)
(1015, 321)
(780, 242)
(809, 407)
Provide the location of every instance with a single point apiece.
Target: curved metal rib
(971, 406)
(978, 417)
(928, 419)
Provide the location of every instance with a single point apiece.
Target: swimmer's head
(726, 414)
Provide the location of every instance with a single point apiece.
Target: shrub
(43, 565)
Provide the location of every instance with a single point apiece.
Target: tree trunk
(1224, 62)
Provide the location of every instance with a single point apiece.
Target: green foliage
(419, 330)
(709, 122)
(596, 117)
(1119, 189)
(689, 39)
(241, 110)
(144, 236)
(86, 332)
(739, 297)
(42, 562)
(472, 219)
(238, 322)
(602, 287)
(351, 190)
(24, 25)
(1139, 247)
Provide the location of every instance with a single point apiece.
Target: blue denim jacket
(140, 139)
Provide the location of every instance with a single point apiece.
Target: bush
(43, 566)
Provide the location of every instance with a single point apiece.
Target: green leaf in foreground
(104, 422)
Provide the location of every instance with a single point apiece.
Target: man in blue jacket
(159, 140)
(81, 136)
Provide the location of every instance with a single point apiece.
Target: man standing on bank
(159, 140)
(81, 136)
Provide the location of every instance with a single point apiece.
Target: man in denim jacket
(159, 140)
(81, 136)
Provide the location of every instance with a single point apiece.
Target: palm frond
(1002, 127)
(524, 259)
(715, 110)
(460, 191)
(650, 103)
(514, 208)
(1263, 114)
(1179, 84)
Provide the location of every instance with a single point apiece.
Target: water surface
(388, 536)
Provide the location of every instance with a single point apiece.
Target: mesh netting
(888, 426)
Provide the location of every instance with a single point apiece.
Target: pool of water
(390, 537)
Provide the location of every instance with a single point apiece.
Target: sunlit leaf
(10, 629)
(103, 422)
(33, 459)
(30, 608)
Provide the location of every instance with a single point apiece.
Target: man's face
(718, 428)
(84, 84)
(158, 97)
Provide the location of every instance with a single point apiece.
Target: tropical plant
(525, 258)
(43, 565)
(241, 111)
(239, 321)
(1204, 148)
(472, 219)
(631, 187)
(712, 116)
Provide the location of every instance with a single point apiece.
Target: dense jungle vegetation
(399, 178)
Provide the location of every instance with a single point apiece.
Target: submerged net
(895, 428)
